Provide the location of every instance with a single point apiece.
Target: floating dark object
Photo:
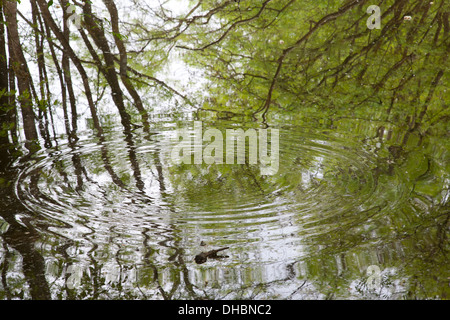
(202, 257)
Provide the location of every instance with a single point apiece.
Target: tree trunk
(111, 6)
(96, 31)
(4, 88)
(19, 65)
(69, 51)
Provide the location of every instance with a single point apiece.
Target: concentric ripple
(128, 186)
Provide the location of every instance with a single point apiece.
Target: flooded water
(354, 210)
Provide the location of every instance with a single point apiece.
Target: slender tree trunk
(4, 87)
(66, 67)
(97, 33)
(13, 112)
(111, 6)
(19, 65)
(69, 51)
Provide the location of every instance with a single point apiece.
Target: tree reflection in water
(92, 208)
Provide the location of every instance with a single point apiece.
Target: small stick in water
(202, 257)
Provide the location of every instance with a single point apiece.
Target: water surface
(111, 217)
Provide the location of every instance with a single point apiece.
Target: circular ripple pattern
(130, 188)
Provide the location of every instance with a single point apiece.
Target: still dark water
(358, 209)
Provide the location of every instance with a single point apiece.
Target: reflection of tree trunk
(69, 51)
(19, 65)
(44, 99)
(33, 263)
(12, 97)
(126, 123)
(96, 31)
(159, 169)
(178, 257)
(5, 267)
(124, 61)
(66, 68)
(135, 163)
(61, 80)
(4, 88)
(176, 283)
(23, 239)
